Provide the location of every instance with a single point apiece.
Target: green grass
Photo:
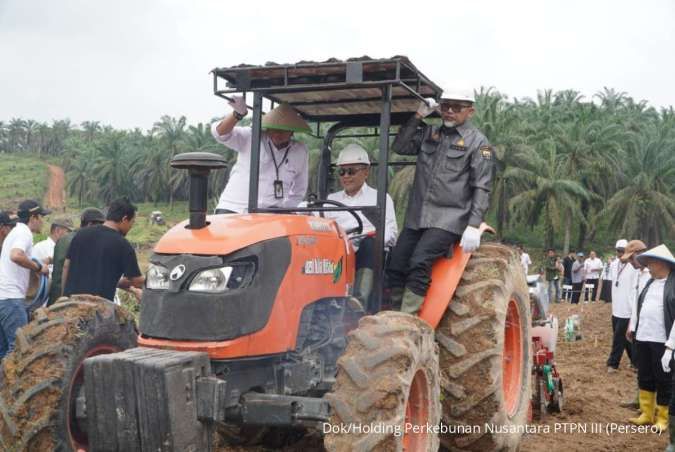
(21, 178)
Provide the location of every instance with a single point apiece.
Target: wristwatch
(238, 115)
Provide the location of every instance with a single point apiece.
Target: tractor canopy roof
(333, 90)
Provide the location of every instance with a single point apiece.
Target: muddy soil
(56, 192)
(592, 396)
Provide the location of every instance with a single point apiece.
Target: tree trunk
(568, 231)
(582, 226)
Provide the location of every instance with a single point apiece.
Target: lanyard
(618, 274)
(276, 167)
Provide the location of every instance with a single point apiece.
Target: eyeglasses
(454, 107)
(348, 171)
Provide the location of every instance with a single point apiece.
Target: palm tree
(546, 194)
(81, 178)
(90, 128)
(171, 132)
(112, 168)
(645, 205)
(16, 133)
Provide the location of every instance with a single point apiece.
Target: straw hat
(661, 253)
(633, 247)
(284, 117)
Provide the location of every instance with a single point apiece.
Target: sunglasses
(348, 171)
(454, 107)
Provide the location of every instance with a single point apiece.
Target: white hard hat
(353, 154)
(464, 95)
(623, 243)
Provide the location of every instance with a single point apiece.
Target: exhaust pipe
(198, 164)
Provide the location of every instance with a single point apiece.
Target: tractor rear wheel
(386, 393)
(485, 359)
(43, 376)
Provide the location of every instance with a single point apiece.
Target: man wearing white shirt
(593, 267)
(621, 278)
(283, 175)
(353, 168)
(44, 250)
(655, 338)
(15, 267)
(525, 260)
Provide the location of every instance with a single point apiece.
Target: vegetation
(571, 172)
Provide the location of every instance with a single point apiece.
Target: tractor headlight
(158, 277)
(212, 280)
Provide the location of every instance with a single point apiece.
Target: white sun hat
(622, 243)
(459, 94)
(661, 253)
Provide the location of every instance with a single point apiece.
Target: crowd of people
(95, 259)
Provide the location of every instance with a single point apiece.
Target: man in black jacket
(449, 198)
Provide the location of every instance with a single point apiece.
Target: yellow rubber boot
(661, 418)
(647, 402)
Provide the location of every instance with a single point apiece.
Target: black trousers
(594, 291)
(619, 342)
(576, 291)
(222, 211)
(414, 254)
(606, 292)
(365, 256)
(651, 376)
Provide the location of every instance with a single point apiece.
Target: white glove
(427, 107)
(238, 104)
(665, 360)
(470, 239)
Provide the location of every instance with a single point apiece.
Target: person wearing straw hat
(655, 338)
(353, 166)
(283, 176)
(450, 193)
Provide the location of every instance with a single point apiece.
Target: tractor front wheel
(43, 376)
(386, 394)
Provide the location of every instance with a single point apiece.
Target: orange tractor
(248, 330)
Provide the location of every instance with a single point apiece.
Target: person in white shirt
(353, 166)
(655, 337)
(621, 280)
(577, 277)
(44, 250)
(609, 272)
(7, 223)
(593, 267)
(15, 267)
(283, 176)
(525, 260)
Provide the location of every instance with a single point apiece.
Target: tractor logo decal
(177, 272)
(319, 266)
(337, 272)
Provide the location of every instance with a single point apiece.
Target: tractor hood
(228, 233)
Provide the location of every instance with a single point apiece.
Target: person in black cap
(15, 268)
(7, 222)
(90, 217)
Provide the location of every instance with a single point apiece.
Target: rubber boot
(661, 418)
(363, 285)
(647, 402)
(671, 428)
(411, 302)
(396, 297)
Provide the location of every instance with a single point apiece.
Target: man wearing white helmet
(450, 194)
(353, 166)
(283, 162)
(622, 277)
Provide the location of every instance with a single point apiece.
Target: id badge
(278, 189)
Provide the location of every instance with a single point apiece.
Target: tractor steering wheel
(319, 202)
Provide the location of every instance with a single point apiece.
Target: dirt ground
(55, 197)
(592, 396)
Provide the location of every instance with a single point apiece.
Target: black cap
(7, 219)
(30, 207)
(92, 215)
